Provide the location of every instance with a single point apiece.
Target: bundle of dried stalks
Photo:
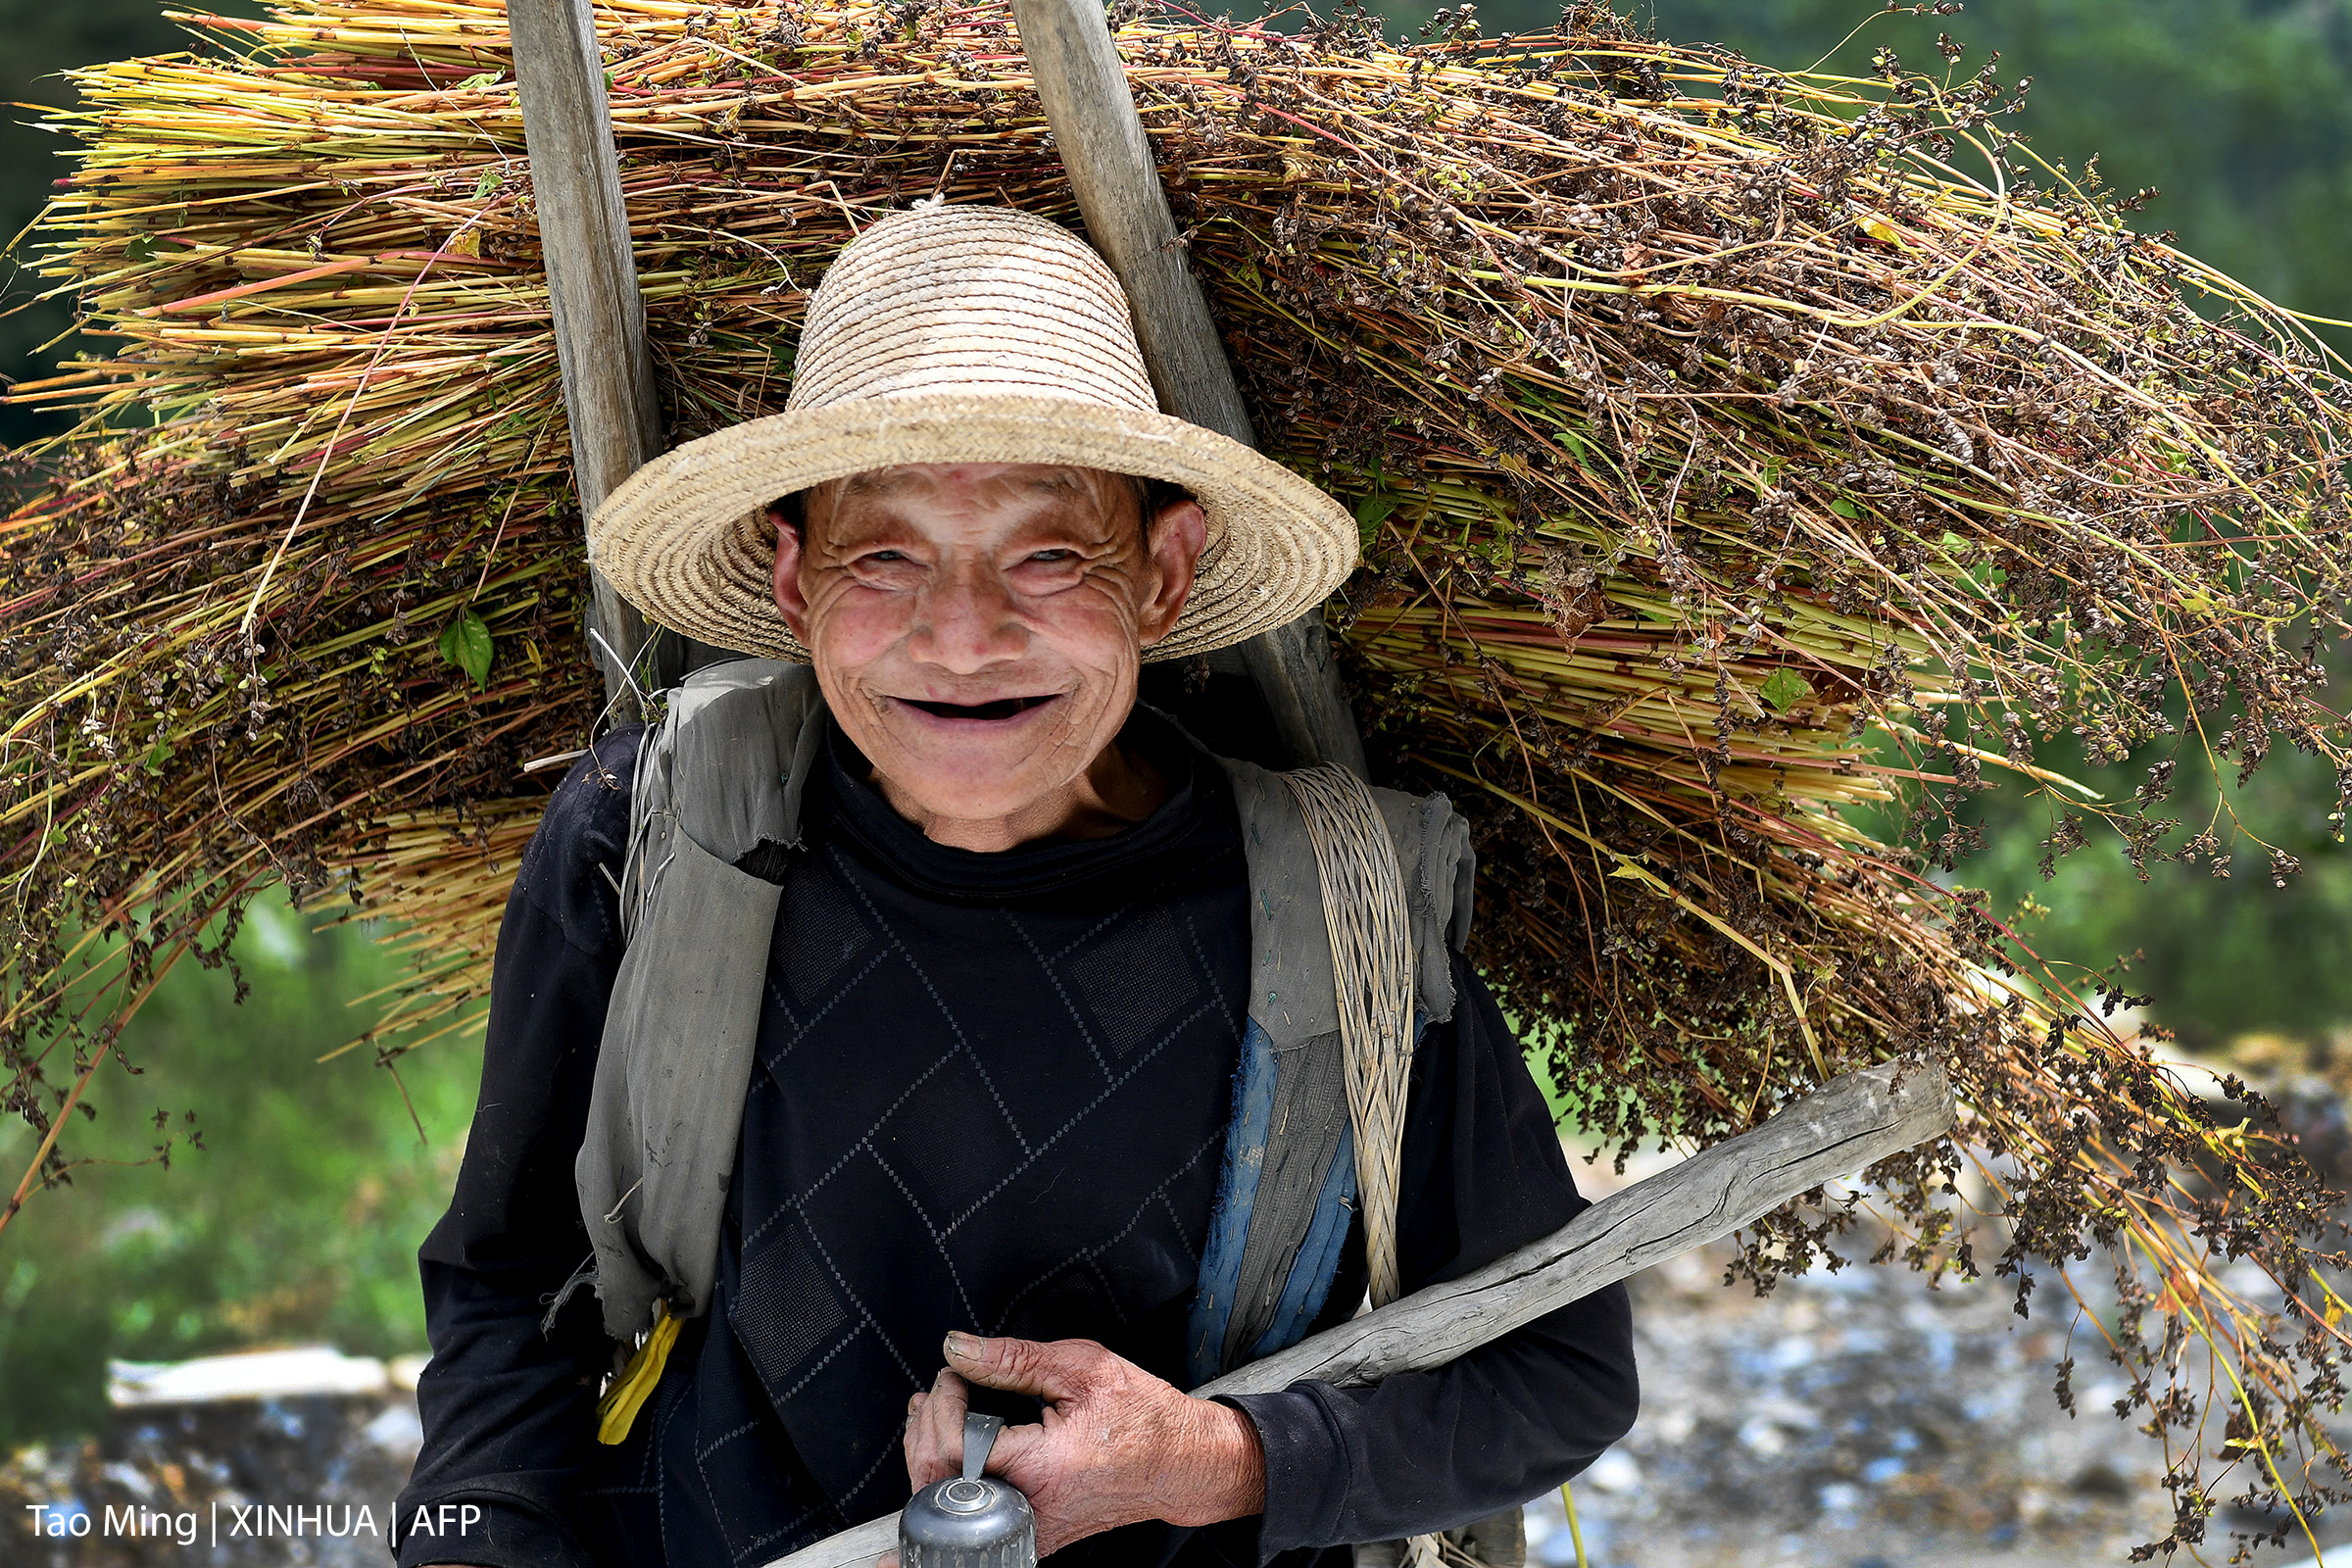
(1732, 449)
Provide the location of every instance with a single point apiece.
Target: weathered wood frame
(609, 390)
(1101, 138)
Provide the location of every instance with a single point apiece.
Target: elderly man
(920, 1033)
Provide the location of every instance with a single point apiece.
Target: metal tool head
(971, 1520)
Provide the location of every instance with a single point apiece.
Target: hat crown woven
(962, 334)
(972, 299)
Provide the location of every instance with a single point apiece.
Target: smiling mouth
(1001, 709)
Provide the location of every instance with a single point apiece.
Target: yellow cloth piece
(618, 1409)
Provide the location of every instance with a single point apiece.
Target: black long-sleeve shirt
(990, 1094)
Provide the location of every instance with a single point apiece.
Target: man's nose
(965, 621)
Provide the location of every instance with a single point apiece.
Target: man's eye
(1054, 554)
(886, 554)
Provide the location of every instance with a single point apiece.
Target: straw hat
(961, 334)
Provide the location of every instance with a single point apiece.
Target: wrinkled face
(977, 627)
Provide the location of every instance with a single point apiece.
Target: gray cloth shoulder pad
(728, 765)
(1292, 993)
(721, 774)
(673, 1070)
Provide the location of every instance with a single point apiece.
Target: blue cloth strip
(1237, 1191)
(1318, 1262)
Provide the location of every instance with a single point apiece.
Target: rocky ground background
(204, 1463)
(1861, 1418)
(1858, 1420)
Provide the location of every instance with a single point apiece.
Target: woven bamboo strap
(1372, 963)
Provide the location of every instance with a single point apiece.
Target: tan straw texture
(1364, 913)
(1365, 916)
(961, 334)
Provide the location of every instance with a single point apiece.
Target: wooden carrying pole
(1101, 142)
(1844, 1127)
(609, 391)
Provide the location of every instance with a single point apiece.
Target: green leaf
(491, 179)
(1784, 689)
(1846, 509)
(157, 756)
(1877, 227)
(1371, 512)
(465, 643)
(141, 248)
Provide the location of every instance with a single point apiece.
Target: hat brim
(687, 541)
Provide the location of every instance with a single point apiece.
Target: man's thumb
(1019, 1366)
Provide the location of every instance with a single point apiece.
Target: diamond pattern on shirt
(787, 1309)
(832, 933)
(1132, 1006)
(1003, 1117)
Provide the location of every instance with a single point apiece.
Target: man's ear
(787, 583)
(1174, 536)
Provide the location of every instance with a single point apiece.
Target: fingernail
(964, 1347)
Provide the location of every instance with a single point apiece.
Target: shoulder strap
(1368, 932)
(719, 775)
(1294, 992)
(727, 764)
(1360, 854)
(1291, 1175)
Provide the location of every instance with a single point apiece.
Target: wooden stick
(609, 391)
(1101, 139)
(1845, 1126)
(1849, 1124)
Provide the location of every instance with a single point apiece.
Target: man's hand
(1118, 1445)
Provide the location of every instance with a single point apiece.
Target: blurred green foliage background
(293, 1213)
(299, 1217)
